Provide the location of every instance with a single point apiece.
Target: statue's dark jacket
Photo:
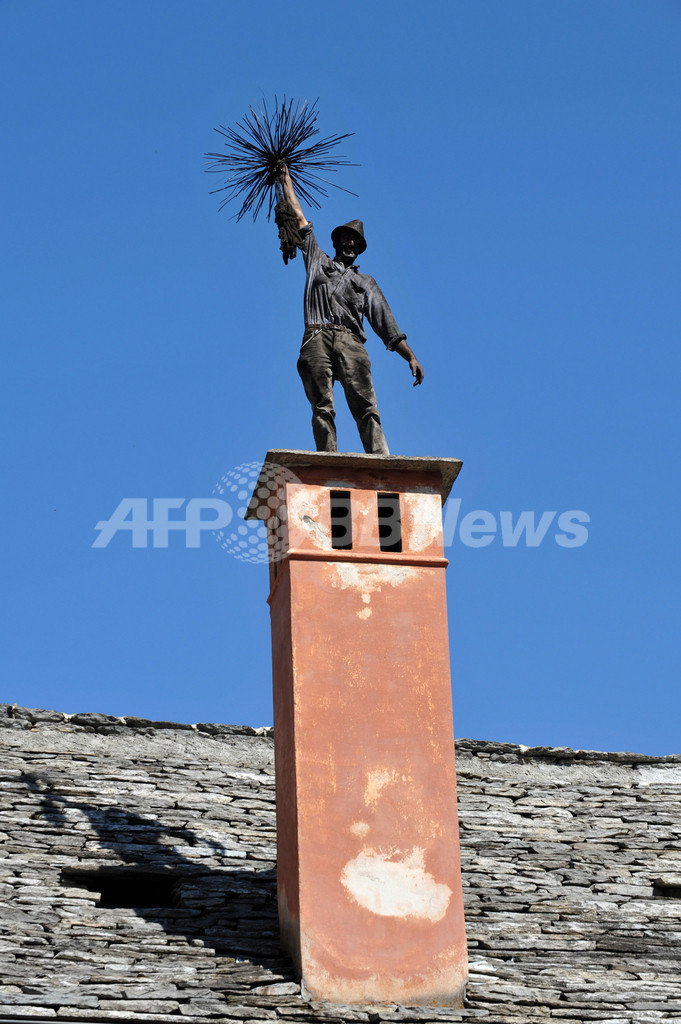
(335, 294)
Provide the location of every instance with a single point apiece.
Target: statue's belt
(318, 328)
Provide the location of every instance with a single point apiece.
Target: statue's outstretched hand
(403, 350)
(416, 370)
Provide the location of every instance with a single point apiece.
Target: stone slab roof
(571, 867)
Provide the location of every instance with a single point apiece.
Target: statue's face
(347, 247)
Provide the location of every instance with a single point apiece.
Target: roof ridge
(13, 716)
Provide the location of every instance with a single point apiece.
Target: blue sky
(519, 185)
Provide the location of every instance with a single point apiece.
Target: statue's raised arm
(291, 197)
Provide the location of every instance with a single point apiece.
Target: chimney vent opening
(389, 522)
(341, 521)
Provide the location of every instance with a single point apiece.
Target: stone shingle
(565, 859)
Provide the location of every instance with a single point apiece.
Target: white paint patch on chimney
(365, 612)
(313, 528)
(377, 780)
(369, 578)
(359, 828)
(422, 520)
(395, 888)
(304, 508)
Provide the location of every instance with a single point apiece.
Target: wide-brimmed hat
(357, 229)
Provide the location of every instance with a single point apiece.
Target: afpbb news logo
(151, 521)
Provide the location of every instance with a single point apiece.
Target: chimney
(369, 881)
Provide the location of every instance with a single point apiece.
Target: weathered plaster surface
(367, 580)
(305, 514)
(422, 521)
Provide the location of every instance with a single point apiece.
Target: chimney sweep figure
(336, 299)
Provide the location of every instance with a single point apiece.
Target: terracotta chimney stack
(369, 885)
